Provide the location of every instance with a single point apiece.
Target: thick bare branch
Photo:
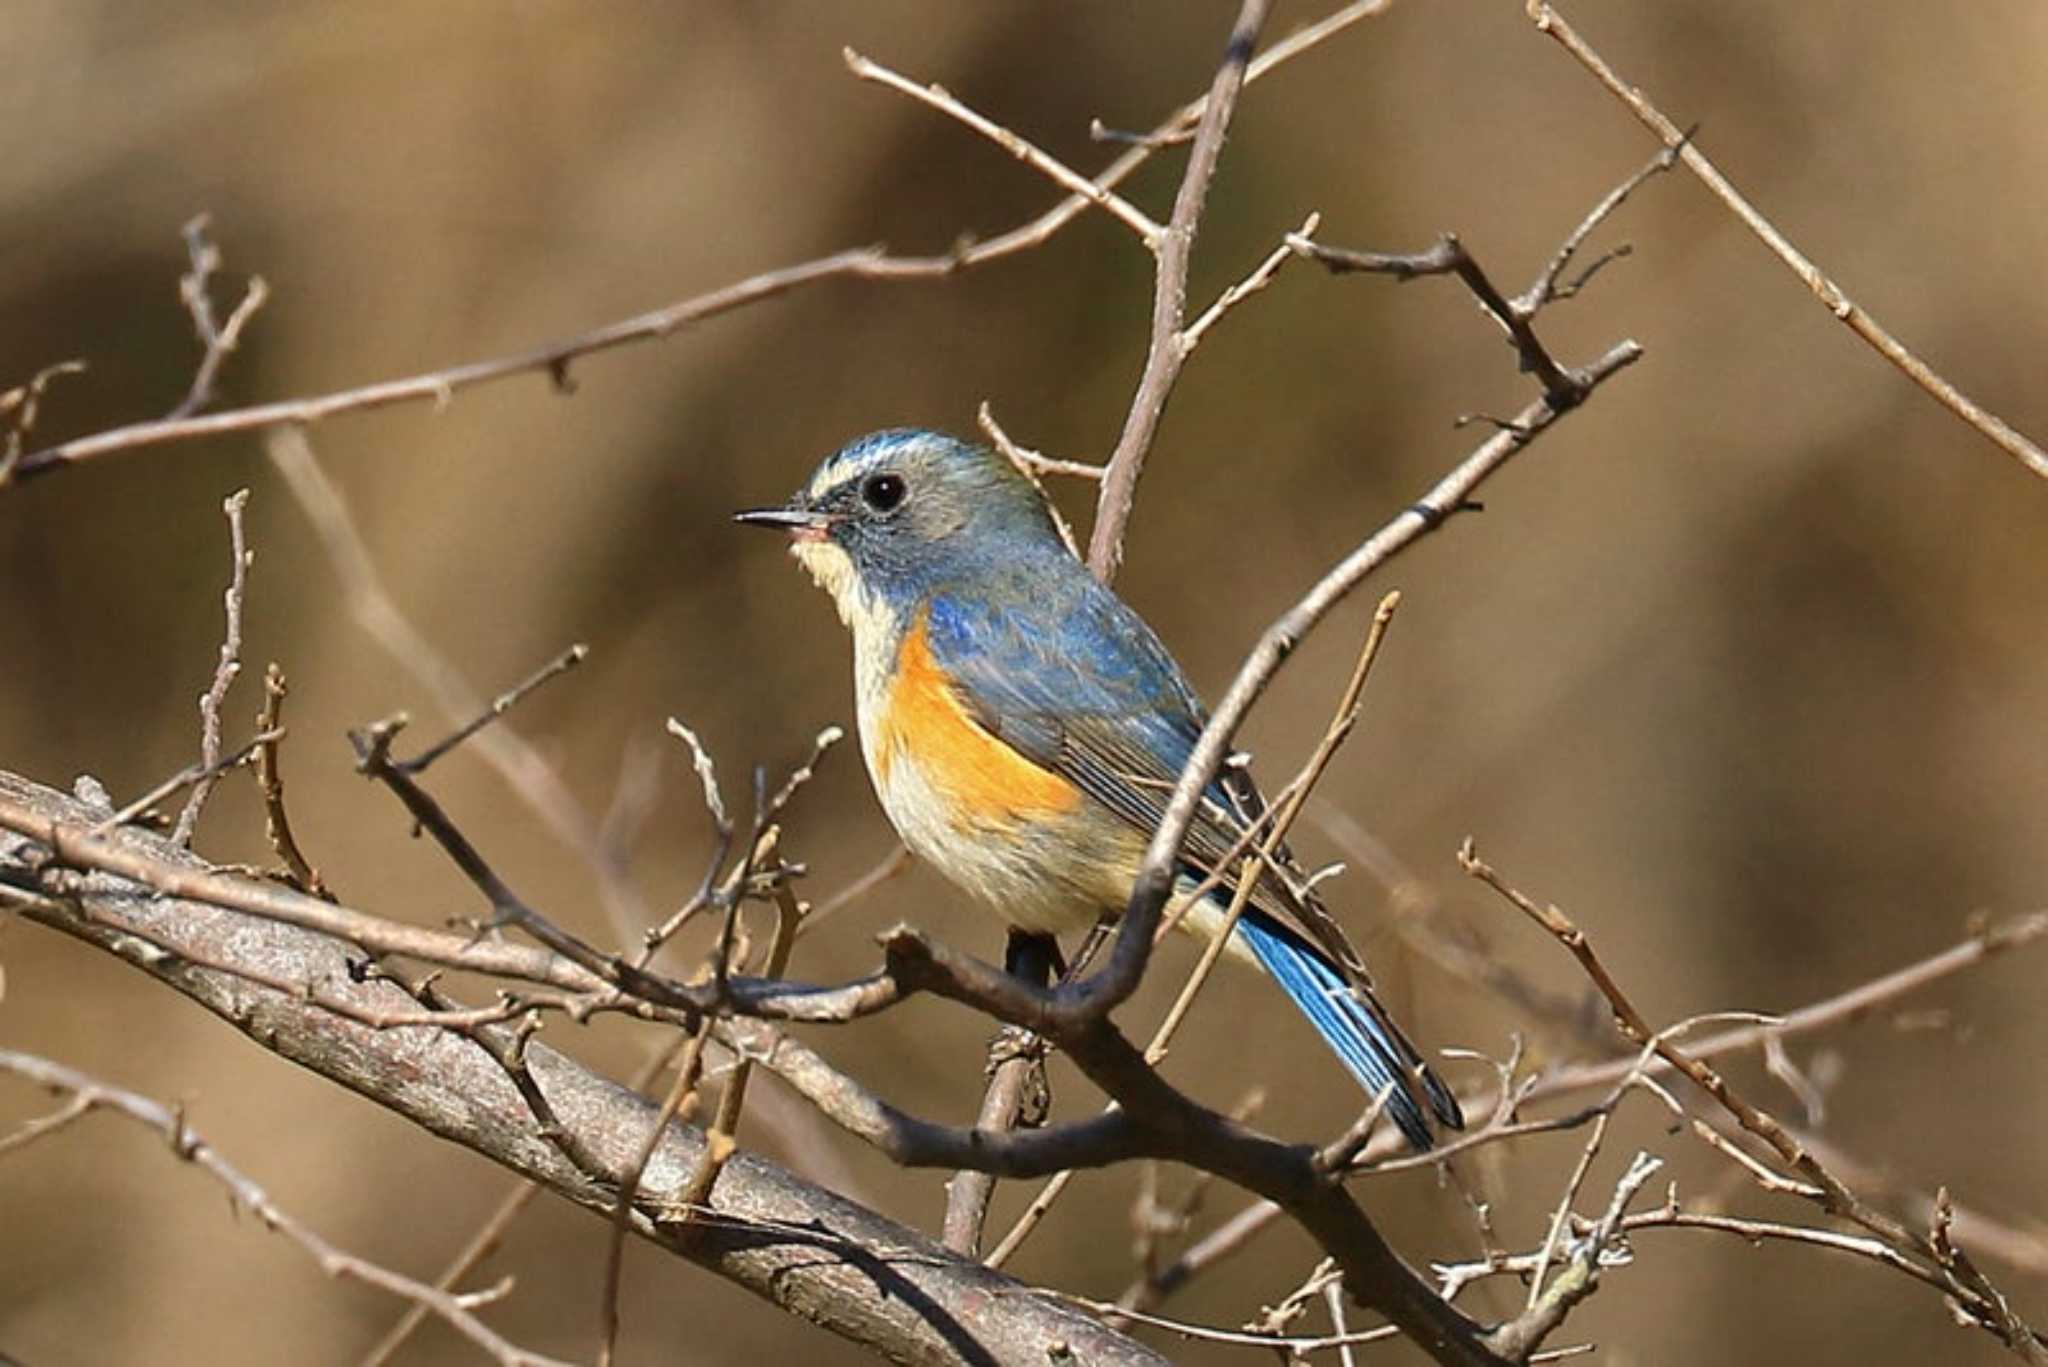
(807, 1250)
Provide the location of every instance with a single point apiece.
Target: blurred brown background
(1745, 665)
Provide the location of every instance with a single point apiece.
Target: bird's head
(888, 517)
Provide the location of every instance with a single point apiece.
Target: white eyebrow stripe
(831, 477)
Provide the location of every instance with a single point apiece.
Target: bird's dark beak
(801, 524)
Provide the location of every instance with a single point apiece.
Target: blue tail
(1370, 1045)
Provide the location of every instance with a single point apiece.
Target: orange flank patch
(982, 781)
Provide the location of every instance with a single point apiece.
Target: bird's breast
(1007, 831)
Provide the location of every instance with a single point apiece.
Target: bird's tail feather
(1354, 1026)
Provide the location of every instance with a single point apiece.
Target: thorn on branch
(1434, 515)
(1167, 136)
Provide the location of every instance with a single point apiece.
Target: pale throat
(831, 568)
(874, 623)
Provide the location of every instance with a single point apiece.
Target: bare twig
(1521, 1336)
(554, 360)
(499, 706)
(1014, 1063)
(194, 773)
(43, 1126)
(1847, 1007)
(224, 673)
(681, 1097)
(187, 1145)
(1029, 461)
(1261, 276)
(277, 823)
(1562, 386)
(719, 1140)
(1965, 1285)
(20, 406)
(218, 338)
(524, 770)
(1168, 348)
(480, 1246)
(1037, 158)
(889, 866)
(1851, 315)
(1033, 464)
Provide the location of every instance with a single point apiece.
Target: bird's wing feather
(1097, 699)
(1080, 685)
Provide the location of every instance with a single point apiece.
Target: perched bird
(1024, 728)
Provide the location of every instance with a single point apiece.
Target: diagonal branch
(1169, 347)
(1030, 153)
(1450, 495)
(90, 1093)
(811, 1252)
(1967, 1287)
(1850, 314)
(554, 359)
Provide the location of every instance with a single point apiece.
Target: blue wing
(1080, 685)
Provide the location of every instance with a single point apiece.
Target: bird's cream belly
(1047, 878)
(1036, 876)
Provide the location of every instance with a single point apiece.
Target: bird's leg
(1033, 956)
(1036, 959)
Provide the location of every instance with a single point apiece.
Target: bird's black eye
(883, 493)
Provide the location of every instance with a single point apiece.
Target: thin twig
(889, 866)
(1254, 283)
(1546, 1312)
(524, 770)
(719, 1145)
(43, 1126)
(1852, 315)
(218, 338)
(1032, 155)
(553, 361)
(499, 706)
(1028, 460)
(277, 824)
(1168, 348)
(20, 406)
(194, 773)
(1032, 464)
(1015, 1063)
(1966, 1286)
(681, 1096)
(187, 1145)
(224, 673)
